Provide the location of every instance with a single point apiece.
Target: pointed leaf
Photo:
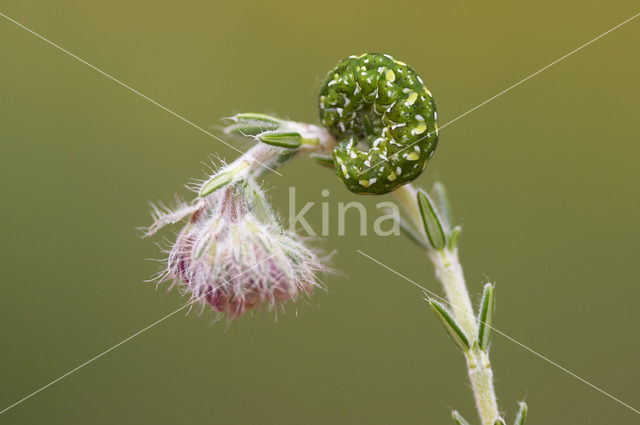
(251, 124)
(216, 182)
(326, 160)
(485, 317)
(499, 421)
(522, 413)
(451, 326)
(252, 117)
(442, 200)
(409, 231)
(281, 139)
(433, 225)
(452, 243)
(284, 157)
(244, 129)
(458, 419)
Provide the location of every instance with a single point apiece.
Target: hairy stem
(449, 272)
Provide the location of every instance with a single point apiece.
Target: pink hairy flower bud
(234, 255)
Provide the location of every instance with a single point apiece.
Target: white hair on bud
(233, 254)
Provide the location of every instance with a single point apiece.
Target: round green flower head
(384, 120)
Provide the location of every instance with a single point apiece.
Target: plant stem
(449, 272)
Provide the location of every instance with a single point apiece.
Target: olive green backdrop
(544, 180)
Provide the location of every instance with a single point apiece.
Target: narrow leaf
(485, 318)
(522, 413)
(452, 243)
(215, 183)
(458, 419)
(326, 160)
(252, 117)
(442, 200)
(409, 231)
(284, 157)
(281, 139)
(433, 225)
(451, 326)
(251, 124)
(245, 129)
(499, 421)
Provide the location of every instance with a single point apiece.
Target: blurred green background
(544, 180)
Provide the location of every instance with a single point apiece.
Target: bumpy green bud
(384, 120)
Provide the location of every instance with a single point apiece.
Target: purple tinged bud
(234, 255)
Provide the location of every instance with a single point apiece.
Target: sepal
(216, 182)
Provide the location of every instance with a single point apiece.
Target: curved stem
(262, 158)
(449, 272)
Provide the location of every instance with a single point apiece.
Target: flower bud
(234, 255)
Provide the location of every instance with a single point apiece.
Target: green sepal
(499, 421)
(458, 419)
(433, 225)
(522, 413)
(326, 160)
(281, 139)
(450, 325)
(215, 183)
(485, 317)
